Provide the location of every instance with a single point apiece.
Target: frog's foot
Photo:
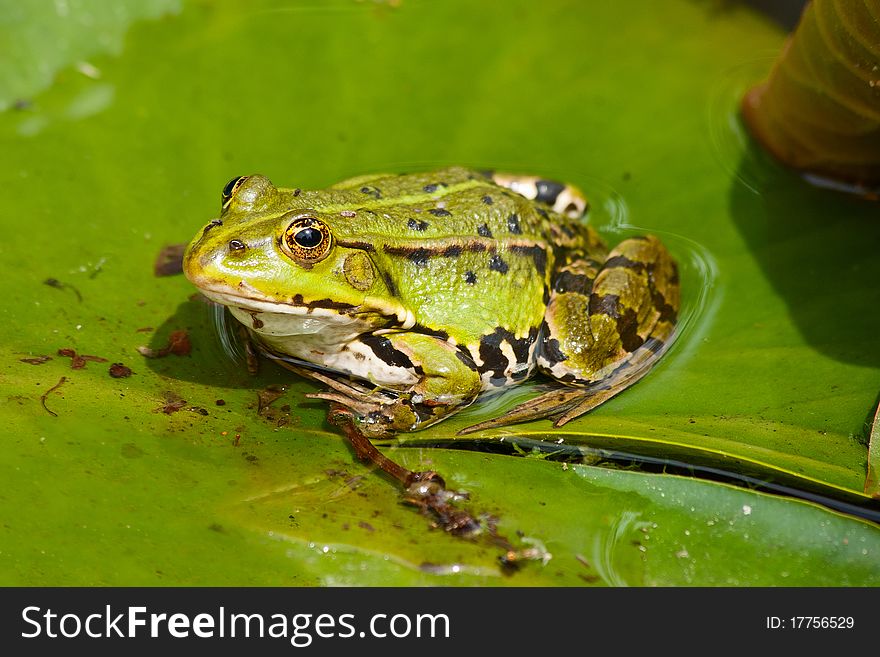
(566, 404)
(376, 413)
(564, 199)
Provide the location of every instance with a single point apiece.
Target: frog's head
(272, 258)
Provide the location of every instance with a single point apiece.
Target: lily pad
(179, 474)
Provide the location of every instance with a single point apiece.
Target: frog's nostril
(237, 245)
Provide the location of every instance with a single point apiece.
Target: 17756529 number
(810, 623)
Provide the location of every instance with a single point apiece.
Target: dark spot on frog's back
(420, 257)
(538, 253)
(372, 191)
(470, 278)
(412, 224)
(452, 251)
(483, 231)
(440, 212)
(487, 199)
(513, 224)
(496, 263)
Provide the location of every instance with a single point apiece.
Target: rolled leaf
(819, 109)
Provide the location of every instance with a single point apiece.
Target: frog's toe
(549, 404)
(561, 406)
(359, 406)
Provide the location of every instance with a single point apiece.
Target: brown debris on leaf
(169, 262)
(178, 344)
(173, 403)
(46, 394)
(268, 395)
(77, 361)
(120, 371)
(58, 285)
(265, 397)
(36, 360)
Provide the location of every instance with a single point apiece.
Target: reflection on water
(727, 135)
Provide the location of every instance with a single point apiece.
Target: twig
(43, 397)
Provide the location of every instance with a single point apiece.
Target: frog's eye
(230, 189)
(306, 240)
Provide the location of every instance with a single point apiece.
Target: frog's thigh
(444, 375)
(565, 199)
(631, 307)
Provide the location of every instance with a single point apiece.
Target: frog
(411, 296)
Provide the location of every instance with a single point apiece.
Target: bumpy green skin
(434, 287)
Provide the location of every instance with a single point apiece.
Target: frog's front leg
(447, 381)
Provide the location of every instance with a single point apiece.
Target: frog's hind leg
(564, 199)
(605, 329)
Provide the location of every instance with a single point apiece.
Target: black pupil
(230, 187)
(308, 238)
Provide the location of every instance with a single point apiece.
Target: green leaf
(43, 37)
(773, 374)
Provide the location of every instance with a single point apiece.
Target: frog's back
(473, 260)
(451, 203)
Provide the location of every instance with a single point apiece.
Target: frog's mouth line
(322, 308)
(298, 306)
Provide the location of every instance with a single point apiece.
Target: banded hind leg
(606, 325)
(564, 199)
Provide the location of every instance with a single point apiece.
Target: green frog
(411, 295)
